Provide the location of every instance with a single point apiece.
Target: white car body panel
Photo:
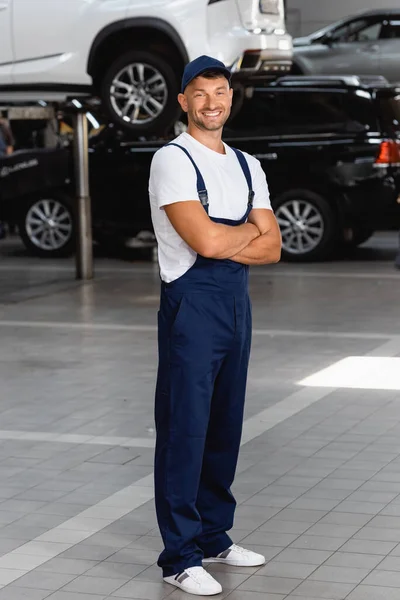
(52, 40)
(49, 42)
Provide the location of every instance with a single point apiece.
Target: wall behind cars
(305, 16)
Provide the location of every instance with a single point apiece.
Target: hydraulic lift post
(84, 243)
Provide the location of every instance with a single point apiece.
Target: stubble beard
(203, 126)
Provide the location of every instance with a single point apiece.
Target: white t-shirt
(173, 179)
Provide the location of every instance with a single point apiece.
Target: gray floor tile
(318, 589)
(261, 538)
(383, 579)
(274, 585)
(243, 595)
(89, 552)
(315, 542)
(95, 585)
(390, 563)
(366, 508)
(135, 556)
(67, 565)
(381, 534)
(276, 525)
(340, 518)
(60, 595)
(368, 547)
(116, 570)
(144, 589)
(45, 580)
(309, 557)
(369, 592)
(291, 570)
(356, 561)
(339, 574)
(14, 592)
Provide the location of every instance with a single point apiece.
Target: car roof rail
(329, 80)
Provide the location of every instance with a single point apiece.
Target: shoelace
(239, 549)
(194, 572)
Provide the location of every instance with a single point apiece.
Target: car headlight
(284, 45)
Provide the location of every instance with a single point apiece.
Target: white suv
(133, 51)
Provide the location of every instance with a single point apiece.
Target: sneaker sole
(235, 563)
(181, 587)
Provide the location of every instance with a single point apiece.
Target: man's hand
(209, 239)
(267, 247)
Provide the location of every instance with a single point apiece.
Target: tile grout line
(152, 329)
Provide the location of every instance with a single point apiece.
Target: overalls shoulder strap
(246, 171)
(201, 186)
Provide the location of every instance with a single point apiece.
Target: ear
(183, 102)
(231, 95)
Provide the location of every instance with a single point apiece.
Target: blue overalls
(204, 338)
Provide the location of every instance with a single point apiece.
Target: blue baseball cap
(201, 65)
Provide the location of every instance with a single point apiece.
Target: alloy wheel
(139, 93)
(302, 226)
(49, 225)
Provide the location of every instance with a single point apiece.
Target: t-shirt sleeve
(260, 185)
(172, 177)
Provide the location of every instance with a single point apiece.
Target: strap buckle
(203, 196)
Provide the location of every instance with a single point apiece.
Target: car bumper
(250, 53)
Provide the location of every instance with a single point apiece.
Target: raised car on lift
(132, 53)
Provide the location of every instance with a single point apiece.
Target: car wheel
(139, 92)
(47, 226)
(308, 226)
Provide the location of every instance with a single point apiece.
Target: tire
(308, 225)
(133, 70)
(47, 225)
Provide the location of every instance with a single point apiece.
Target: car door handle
(4, 4)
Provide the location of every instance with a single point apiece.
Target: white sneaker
(236, 556)
(195, 580)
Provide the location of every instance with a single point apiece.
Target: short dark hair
(213, 75)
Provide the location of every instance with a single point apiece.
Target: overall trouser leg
(183, 401)
(215, 501)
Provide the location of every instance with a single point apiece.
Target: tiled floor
(318, 483)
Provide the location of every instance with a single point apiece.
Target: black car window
(294, 111)
(361, 30)
(370, 33)
(258, 115)
(391, 29)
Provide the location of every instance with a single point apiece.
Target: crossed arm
(254, 243)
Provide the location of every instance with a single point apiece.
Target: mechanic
(212, 218)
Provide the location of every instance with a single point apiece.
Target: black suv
(329, 147)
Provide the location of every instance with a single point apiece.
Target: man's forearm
(226, 241)
(265, 249)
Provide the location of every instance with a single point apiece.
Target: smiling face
(207, 102)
